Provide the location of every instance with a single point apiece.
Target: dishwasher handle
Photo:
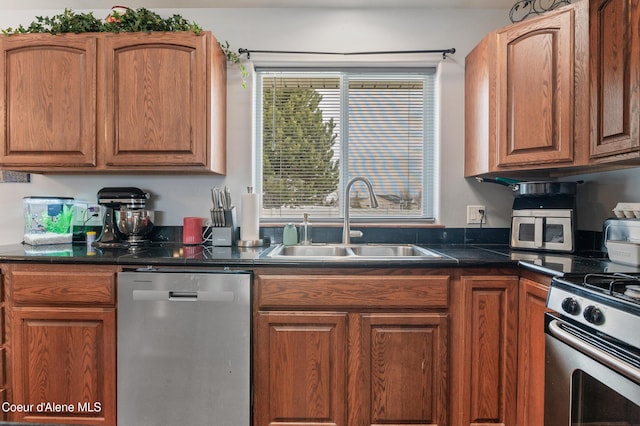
(182, 296)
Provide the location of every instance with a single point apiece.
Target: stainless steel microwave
(543, 229)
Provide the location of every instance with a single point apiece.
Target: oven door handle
(599, 355)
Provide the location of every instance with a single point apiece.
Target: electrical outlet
(476, 214)
(86, 214)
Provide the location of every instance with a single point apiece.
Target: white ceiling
(175, 4)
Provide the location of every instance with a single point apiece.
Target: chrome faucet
(347, 233)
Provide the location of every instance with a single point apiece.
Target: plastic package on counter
(624, 252)
(620, 230)
(627, 210)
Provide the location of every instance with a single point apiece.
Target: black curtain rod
(444, 52)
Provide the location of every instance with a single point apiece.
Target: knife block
(225, 236)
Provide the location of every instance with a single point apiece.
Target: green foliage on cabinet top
(129, 20)
(120, 20)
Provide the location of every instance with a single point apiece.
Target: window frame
(429, 147)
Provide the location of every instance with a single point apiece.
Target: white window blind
(317, 130)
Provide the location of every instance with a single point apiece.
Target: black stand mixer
(127, 222)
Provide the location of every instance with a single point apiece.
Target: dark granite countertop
(164, 254)
(555, 264)
(175, 254)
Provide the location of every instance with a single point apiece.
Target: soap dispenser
(305, 231)
(290, 235)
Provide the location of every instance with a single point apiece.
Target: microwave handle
(538, 226)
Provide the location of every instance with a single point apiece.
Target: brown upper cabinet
(526, 95)
(113, 102)
(614, 36)
(48, 101)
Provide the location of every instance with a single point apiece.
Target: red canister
(192, 231)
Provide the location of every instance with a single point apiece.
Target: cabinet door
(3, 348)
(47, 101)
(535, 91)
(615, 77)
(484, 350)
(299, 369)
(64, 356)
(398, 369)
(480, 108)
(532, 300)
(156, 109)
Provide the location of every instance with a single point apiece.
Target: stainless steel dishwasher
(183, 348)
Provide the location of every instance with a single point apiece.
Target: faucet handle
(355, 234)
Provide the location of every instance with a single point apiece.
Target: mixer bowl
(134, 222)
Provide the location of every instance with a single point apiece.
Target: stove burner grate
(633, 291)
(624, 286)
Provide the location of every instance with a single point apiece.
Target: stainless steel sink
(351, 252)
(392, 251)
(311, 251)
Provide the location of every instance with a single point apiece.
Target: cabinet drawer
(352, 291)
(63, 285)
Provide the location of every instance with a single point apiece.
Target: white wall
(340, 30)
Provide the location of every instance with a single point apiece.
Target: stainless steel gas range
(592, 372)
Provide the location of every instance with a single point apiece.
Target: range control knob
(571, 306)
(594, 315)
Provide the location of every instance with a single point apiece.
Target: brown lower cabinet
(3, 349)
(62, 343)
(351, 348)
(421, 347)
(343, 347)
(484, 348)
(533, 291)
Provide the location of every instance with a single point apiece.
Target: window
(316, 130)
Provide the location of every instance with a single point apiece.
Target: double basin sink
(351, 252)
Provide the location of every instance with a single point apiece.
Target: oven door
(542, 230)
(585, 382)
